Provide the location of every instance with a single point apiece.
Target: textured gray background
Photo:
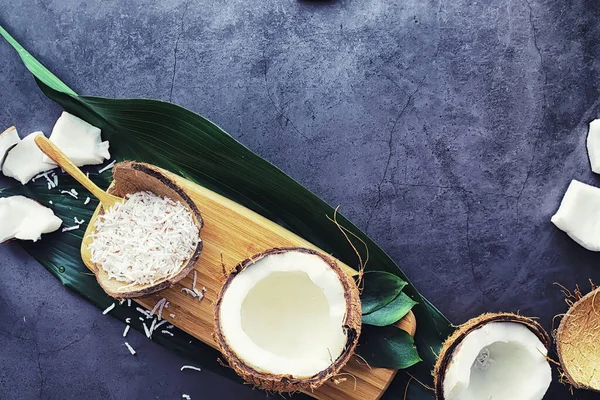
(448, 130)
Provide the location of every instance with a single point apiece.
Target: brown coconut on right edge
(494, 356)
(578, 342)
(288, 319)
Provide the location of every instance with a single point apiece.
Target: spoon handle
(52, 151)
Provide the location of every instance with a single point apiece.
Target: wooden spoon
(52, 151)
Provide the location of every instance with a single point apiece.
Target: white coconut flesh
(79, 140)
(8, 139)
(25, 219)
(579, 215)
(593, 145)
(499, 361)
(25, 160)
(284, 315)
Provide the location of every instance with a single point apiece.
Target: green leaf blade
(391, 313)
(387, 347)
(35, 67)
(379, 289)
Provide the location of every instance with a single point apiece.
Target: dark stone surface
(447, 130)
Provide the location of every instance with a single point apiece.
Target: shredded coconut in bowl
(144, 239)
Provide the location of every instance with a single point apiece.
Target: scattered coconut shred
(191, 367)
(144, 239)
(131, 350)
(195, 292)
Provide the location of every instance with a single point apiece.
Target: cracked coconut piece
(25, 160)
(8, 139)
(593, 145)
(579, 215)
(79, 140)
(25, 219)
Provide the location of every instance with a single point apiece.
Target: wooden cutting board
(233, 233)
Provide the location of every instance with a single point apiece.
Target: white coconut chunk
(25, 160)
(283, 315)
(579, 215)
(79, 140)
(8, 139)
(25, 219)
(500, 360)
(593, 145)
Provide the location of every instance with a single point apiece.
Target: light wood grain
(234, 233)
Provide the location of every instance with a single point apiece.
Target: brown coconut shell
(287, 383)
(453, 343)
(131, 177)
(578, 342)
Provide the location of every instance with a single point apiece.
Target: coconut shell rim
(187, 266)
(282, 382)
(559, 331)
(454, 340)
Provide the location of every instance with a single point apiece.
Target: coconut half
(494, 356)
(578, 342)
(8, 139)
(25, 160)
(133, 177)
(25, 219)
(79, 140)
(288, 319)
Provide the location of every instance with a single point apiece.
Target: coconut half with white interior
(288, 319)
(149, 242)
(494, 356)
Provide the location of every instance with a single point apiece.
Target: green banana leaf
(392, 312)
(379, 289)
(183, 142)
(388, 346)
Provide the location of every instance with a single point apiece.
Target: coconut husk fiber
(578, 342)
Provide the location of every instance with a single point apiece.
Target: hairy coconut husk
(131, 177)
(454, 341)
(578, 342)
(287, 383)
